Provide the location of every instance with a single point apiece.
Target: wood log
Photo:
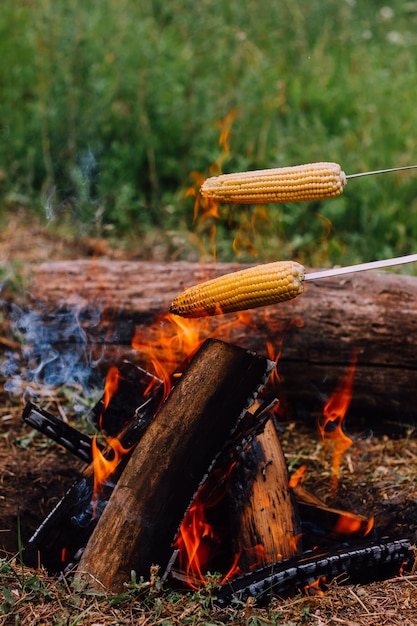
(269, 529)
(317, 333)
(149, 502)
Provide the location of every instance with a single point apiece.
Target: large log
(371, 313)
(139, 523)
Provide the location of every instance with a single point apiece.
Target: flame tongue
(331, 423)
(106, 463)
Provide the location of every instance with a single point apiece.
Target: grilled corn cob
(246, 289)
(313, 181)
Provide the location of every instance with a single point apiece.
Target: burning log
(149, 502)
(317, 333)
(249, 471)
(268, 519)
(240, 518)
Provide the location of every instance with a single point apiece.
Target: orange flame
(197, 537)
(195, 542)
(167, 344)
(225, 128)
(297, 477)
(173, 340)
(104, 465)
(206, 211)
(110, 387)
(331, 423)
(351, 524)
(316, 588)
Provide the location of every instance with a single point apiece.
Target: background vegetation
(108, 108)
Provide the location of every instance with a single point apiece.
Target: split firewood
(268, 519)
(139, 523)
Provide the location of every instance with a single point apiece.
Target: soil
(377, 476)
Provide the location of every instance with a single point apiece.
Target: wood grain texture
(268, 517)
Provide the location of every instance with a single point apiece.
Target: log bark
(317, 333)
(268, 519)
(149, 502)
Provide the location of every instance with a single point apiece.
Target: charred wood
(267, 517)
(64, 533)
(324, 521)
(358, 564)
(53, 427)
(215, 504)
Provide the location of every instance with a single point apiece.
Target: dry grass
(31, 598)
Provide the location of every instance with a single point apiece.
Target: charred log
(266, 512)
(213, 536)
(358, 564)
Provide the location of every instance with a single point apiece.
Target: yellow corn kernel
(246, 289)
(314, 181)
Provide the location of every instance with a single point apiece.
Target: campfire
(187, 473)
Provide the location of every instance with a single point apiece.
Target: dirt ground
(378, 474)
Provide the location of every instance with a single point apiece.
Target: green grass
(108, 107)
(30, 597)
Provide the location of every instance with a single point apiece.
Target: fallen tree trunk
(372, 314)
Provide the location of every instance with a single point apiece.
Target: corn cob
(314, 181)
(246, 289)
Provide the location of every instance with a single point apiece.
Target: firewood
(355, 564)
(268, 517)
(336, 523)
(317, 333)
(149, 502)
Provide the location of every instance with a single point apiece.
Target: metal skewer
(361, 267)
(372, 265)
(386, 171)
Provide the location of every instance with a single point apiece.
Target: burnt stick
(357, 563)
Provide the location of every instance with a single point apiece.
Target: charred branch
(358, 565)
(59, 431)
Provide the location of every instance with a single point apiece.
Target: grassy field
(108, 108)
